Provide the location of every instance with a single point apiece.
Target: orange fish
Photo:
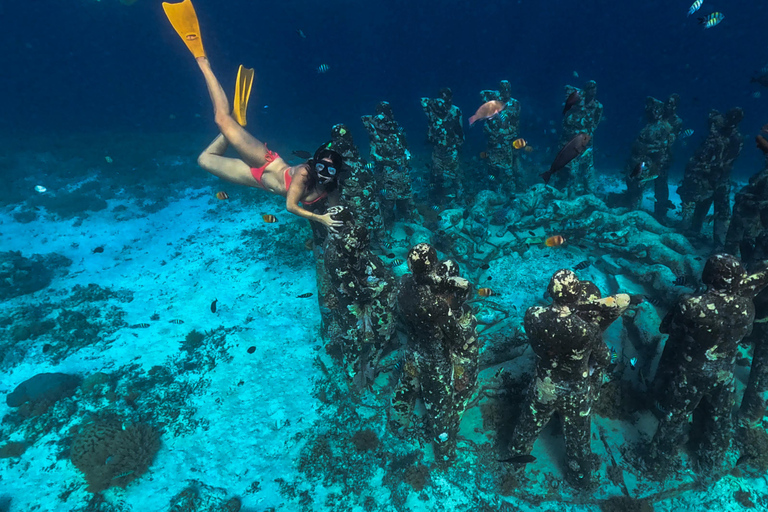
(483, 155)
(485, 292)
(554, 241)
(221, 195)
(519, 144)
(486, 111)
(269, 218)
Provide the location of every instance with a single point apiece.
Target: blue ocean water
(84, 65)
(102, 97)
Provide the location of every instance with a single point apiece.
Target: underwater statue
(750, 216)
(391, 157)
(652, 155)
(441, 362)
(582, 117)
(567, 339)
(754, 403)
(748, 236)
(358, 184)
(501, 131)
(366, 293)
(707, 177)
(446, 135)
(695, 375)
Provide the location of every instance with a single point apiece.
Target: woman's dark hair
(337, 161)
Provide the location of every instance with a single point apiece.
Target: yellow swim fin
(242, 93)
(184, 20)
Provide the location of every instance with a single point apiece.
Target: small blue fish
(323, 68)
(711, 20)
(686, 133)
(633, 363)
(396, 262)
(695, 7)
(370, 166)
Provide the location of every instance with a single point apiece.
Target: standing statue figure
(750, 213)
(748, 235)
(567, 339)
(358, 186)
(441, 362)
(652, 155)
(389, 151)
(501, 131)
(366, 292)
(446, 135)
(695, 374)
(707, 177)
(582, 117)
(754, 403)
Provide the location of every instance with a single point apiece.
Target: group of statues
(364, 303)
(706, 181)
(439, 363)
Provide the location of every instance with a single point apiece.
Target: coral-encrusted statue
(707, 178)
(748, 235)
(446, 136)
(366, 293)
(696, 369)
(652, 154)
(582, 117)
(389, 151)
(567, 340)
(358, 186)
(501, 131)
(441, 363)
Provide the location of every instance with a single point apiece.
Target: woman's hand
(330, 223)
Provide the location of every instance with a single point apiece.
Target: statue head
(564, 287)
(723, 272)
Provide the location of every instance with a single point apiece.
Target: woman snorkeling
(258, 166)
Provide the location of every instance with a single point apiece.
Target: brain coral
(109, 454)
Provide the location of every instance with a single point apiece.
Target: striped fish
(177, 321)
(711, 20)
(695, 7)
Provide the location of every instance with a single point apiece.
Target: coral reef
(199, 497)
(20, 275)
(112, 454)
(13, 449)
(365, 440)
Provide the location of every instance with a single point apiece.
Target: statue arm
(754, 283)
(604, 311)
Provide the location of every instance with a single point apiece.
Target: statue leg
(753, 405)
(540, 404)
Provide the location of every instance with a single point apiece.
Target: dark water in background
(84, 66)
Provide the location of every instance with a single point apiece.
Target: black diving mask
(325, 172)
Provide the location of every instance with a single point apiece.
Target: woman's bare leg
(230, 169)
(250, 149)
